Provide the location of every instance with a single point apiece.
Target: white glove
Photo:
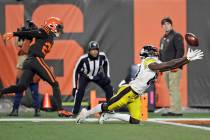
(194, 55)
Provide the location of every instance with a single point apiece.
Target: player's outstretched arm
(175, 63)
(165, 66)
(29, 34)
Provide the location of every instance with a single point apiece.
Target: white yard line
(179, 119)
(164, 121)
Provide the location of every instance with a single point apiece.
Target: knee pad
(134, 121)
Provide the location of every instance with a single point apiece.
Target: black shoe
(1, 94)
(37, 113)
(171, 114)
(14, 113)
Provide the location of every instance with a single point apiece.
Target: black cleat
(37, 113)
(64, 113)
(14, 113)
(1, 94)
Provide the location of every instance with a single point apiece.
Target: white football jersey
(144, 75)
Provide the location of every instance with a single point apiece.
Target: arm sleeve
(29, 34)
(106, 67)
(179, 45)
(77, 69)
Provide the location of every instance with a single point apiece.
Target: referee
(91, 67)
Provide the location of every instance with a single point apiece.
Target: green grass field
(94, 131)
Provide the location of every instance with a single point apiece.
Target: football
(191, 39)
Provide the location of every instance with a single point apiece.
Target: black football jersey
(41, 44)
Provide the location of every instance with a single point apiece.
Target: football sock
(17, 98)
(94, 110)
(123, 117)
(34, 87)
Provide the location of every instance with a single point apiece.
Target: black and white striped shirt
(91, 67)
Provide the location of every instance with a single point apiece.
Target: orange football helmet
(55, 25)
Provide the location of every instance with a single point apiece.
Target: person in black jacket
(172, 47)
(91, 67)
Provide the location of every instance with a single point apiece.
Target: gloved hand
(194, 55)
(74, 90)
(7, 36)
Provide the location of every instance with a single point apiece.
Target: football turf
(94, 131)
